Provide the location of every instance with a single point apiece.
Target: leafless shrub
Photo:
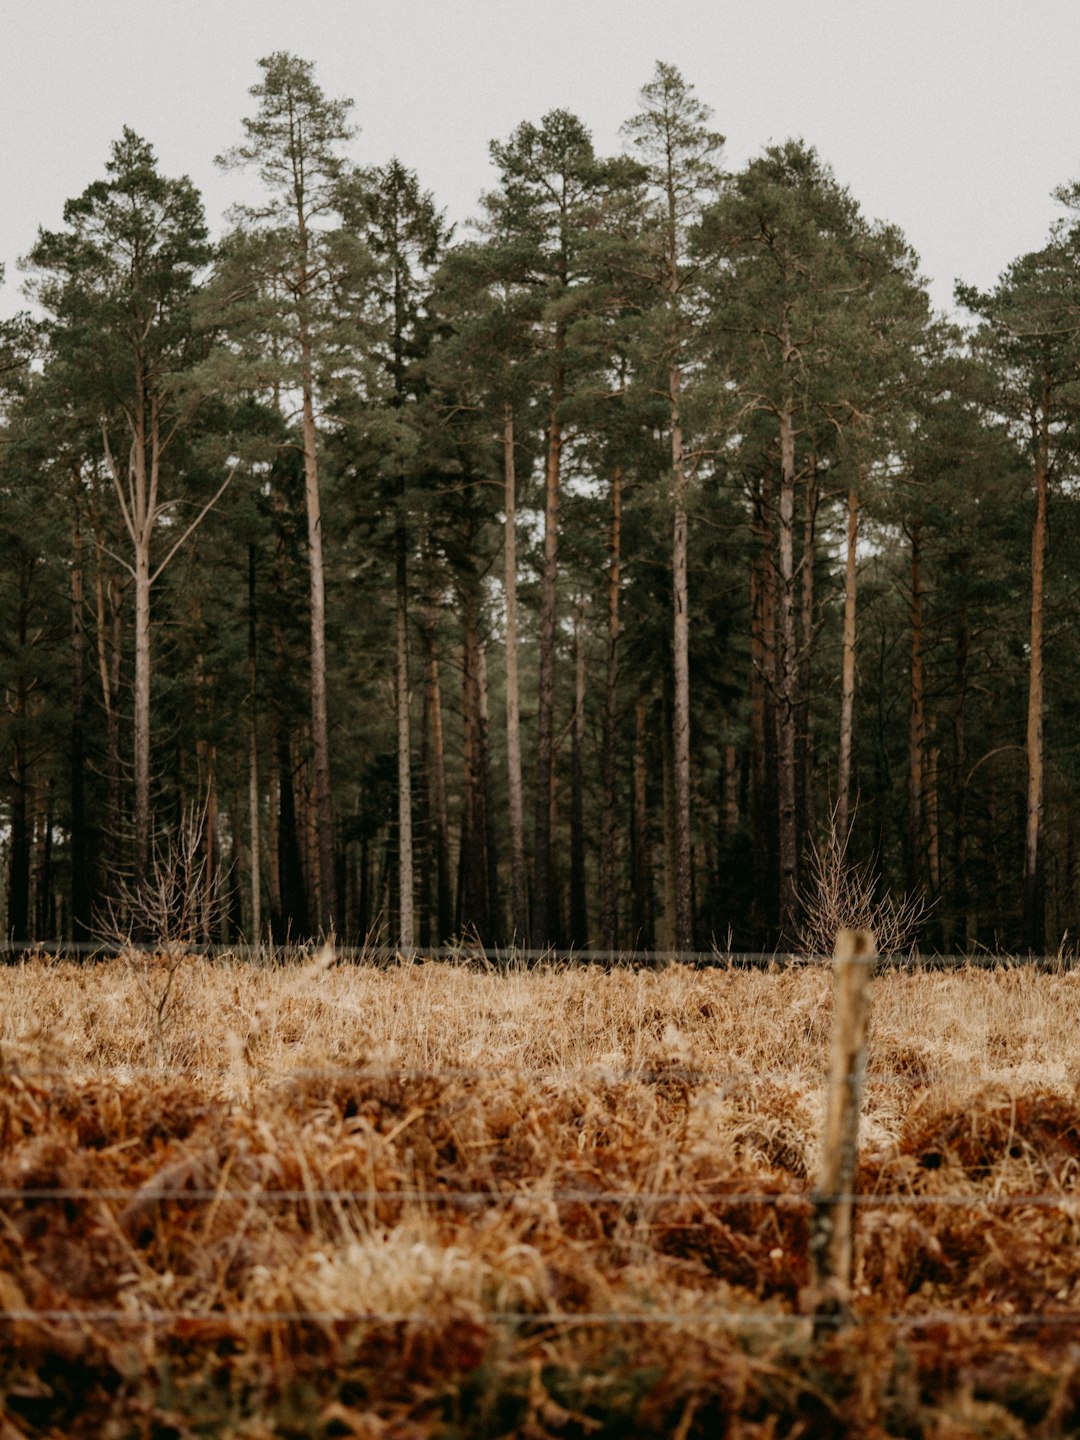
(843, 894)
(155, 922)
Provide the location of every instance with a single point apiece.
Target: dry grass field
(343, 1200)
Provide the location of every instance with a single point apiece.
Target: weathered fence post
(831, 1229)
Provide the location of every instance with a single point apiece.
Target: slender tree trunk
(787, 681)
(1034, 919)
(579, 915)
(18, 897)
(320, 732)
(960, 903)
(804, 750)
(472, 887)
(683, 937)
(487, 809)
(254, 828)
(642, 897)
(668, 936)
(545, 921)
(847, 680)
(142, 714)
(917, 727)
(406, 921)
(443, 881)
(608, 833)
(519, 902)
(80, 878)
(763, 728)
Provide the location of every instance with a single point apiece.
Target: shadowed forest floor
(322, 1200)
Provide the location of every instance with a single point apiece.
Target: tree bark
(683, 937)
(80, 877)
(320, 731)
(1033, 938)
(579, 914)
(544, 929)
(847, 680)
(787, 681)
(254, 828)
(642, 897)
(917, 727)
(608, 831)
(437, 781)
(519, 902)
(763, 728)
(406, 921)
(804, 749)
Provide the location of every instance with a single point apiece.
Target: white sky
(952, 118)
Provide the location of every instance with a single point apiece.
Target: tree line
(578, 580)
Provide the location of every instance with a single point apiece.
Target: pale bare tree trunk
(406, 923)
(917, 727)
(544, 930)
(787, 678)
(519, 901)
(1034, 920)
(683, 937)
(142, 714)
(320, 733)
(641, 900)
(804, 749)
(80, 880)
(491, 852)
(579, 917)
(847, 681)
(763, 709)
(444, 909)
(608, 833)
(253, 759)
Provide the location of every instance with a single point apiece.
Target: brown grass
(333, 1200)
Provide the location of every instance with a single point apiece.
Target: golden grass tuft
(329, 1199)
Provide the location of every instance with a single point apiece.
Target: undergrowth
(426, 1202)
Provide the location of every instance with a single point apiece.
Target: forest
(613, 572)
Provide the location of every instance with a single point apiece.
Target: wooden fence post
(831, 1229)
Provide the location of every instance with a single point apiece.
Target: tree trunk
(763, 714)
(847, 680)
(18, 896)
(960, 904)
(579, 915)
(519, 900)
(804, 749)
(142, 714)
(917, 728)
(472, 886)
(444, 884)
(642, 897)
(1034, 920)
(406, 922)
(254, 828)
(787, 680)
(493, 935)
(80, 877)
(608, 832)
(320, 733)
(683, 937)
(545, 924)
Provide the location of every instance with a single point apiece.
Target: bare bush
(840, 894)
(155, 923)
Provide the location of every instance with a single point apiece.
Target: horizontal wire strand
(148, 1193)
(606, 1318)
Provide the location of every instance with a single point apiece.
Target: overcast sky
(952, 118)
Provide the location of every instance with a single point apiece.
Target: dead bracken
(424, 1201)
